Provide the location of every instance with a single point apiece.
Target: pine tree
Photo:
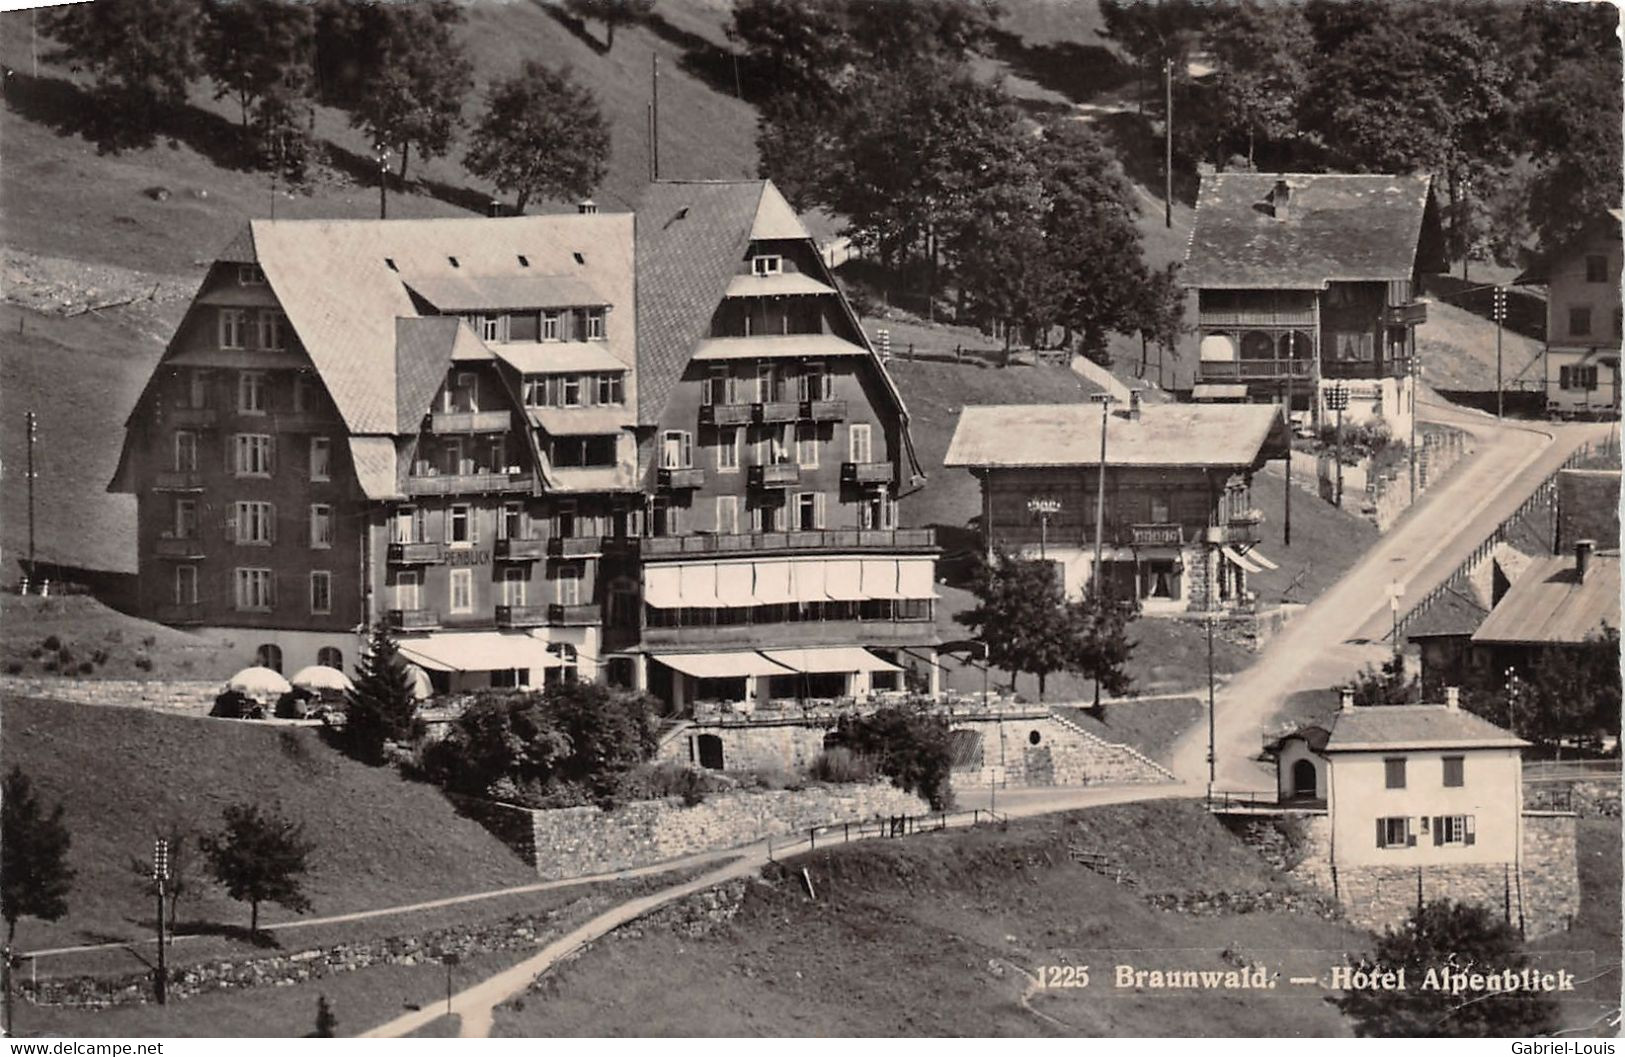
(261, 858)
(1102, 646)
(34, 874)
(381, 705)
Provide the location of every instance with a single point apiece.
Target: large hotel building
(652, 448)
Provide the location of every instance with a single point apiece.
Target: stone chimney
(1347, 703)
(1452, 698)
(1582, 558)
(586, 206)
(1280, 199)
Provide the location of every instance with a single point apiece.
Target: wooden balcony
(1413, 314)
(523, 550)
(414, 619)
(778, 411)
(726, 414)
(1157, 535)
(1253, 370)
(826, 540)
(824, 410)
(521, 616)
(1245, 527)
(800, 633)
(672, 478)
(468, 483)
(577, 616)
(777, 475)
(575, 547)
(867, 472)
(471, 421)
(417, 553)
(191, 417)
(303, 422)
(179, 616)
(178, 481)
(167, 547)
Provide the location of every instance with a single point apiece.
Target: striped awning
(1240, 560)
(730, 665)
(818, 659)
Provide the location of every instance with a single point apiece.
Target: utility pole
(383, 181)
(1291, 365)
(1168, 142)
(1337, 398)
(1097, 578)
(1416, 380)
(1212, 742)
(33, 432)
(160, 873)
(1500, 322)
(654, 115)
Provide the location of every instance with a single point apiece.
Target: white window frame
(470, 532)
(1407, 832)
(185, 442)
(570, 394)
(404, 526)
(325, 578)
(408, 587)
(254, 523)
(185, 527)
(250, 275)
(321, 516)
(596, 327)
(197, 389)
(321, 469)
(781, 440)
(550, 326)
(728, 438)
(461, 580)
(254, 589)
(253, 454)
(807, 445)
(860, 442)
(232, 328)
(491, 327)
(611, 388)
(567, 574)
(273, 326)
(684, 452)
(186, 585)
(516, 511)
(763, 264)
(727, 515)
(253, 393)
(514, 582)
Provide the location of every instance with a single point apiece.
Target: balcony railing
(521, 550)
(575, 547)
(726, 414)
(820, 540)
(521, 616)
(776, 475)
(824, 410)
(192, 417)
(421, 553)
(471, 421)
(169, 547)
(301, 422)
(1392, 367)
(1213, 370)
(178, 481)
(801, 633)
(414, 619)
(587, 613)
(1157, 535)
(867, 472)
(778, 411)
(466, 483)
(1413, 314)
(673, 478)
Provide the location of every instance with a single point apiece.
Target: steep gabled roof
(1392, 727)
(1550, 605)
(1333, 228)
(1539, 272)
(1068, 435)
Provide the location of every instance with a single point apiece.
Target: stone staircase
(1112, 746)
(670, 729)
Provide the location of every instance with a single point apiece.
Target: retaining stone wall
(763, 747)
(188, 696)
(578, 841)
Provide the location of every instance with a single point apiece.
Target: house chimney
(1582, 557)
(1280, 199)
(1348, 699)
(1452, 698)
(586, 206)
(1134, 405)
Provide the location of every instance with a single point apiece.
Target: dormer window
(767, 264)
(453, 262)
(579, 258)
(250, 275)
(550, 326)
(524, 261)
(595, 324)
(389, 262)
(491, 328)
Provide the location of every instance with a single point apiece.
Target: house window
(197, 389)
(550, 326)
(569, 585)
(331, 656)
(233, 328)
(408, 525)
(728, 449)
(250, 275)
(564, 519)
(535, 391)
(186, 519)
(767, 383)
(1454, 829)
(513, 586)
(767, 264)
(595, 324)
(462, 590)
(722, 387)
(407, 598)
(1159, 509)
(727, 515)
(512, 525)
(186, 585)
(1576, 376)
(462, 531)
(814, 383)
(1596, 268)
(522, 326)
(252, 454)
(255, 589)
(807, 444)
(321, 459)
(490, 328)
(877, 511)
(273, 326)
(570, 390)
(185, 451)
(859, 446)
(677, 449)
(809, 511)
(1394, 832)
(251, 393)
(1580, 321)
(779, 439)
(321, 591)
(255, 523)
(1393, 770)
(611, 388)
(321, 525)
(1453, 771)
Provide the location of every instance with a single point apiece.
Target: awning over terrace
(732, 665)
(814, 659)
(478, 651)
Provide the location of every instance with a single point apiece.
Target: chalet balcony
(467, 483)
(726, 414)
(575, 547)
(414, 619)
(867, 472)
(778, 411)
(521, 616)
(824, 410)
(1244, 527)
(302, 422)
(522, 550)
(1157, 535)
(421, 553)
(169, 547)
(674, 478)
(178, 481)
(821, 540)
(191, 417)
(1394, 367)
(777, 475)
(577, 616)
(1254, 370)
(1414, 313)
(471, 421)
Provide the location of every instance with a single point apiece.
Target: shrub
(14, 667)
(144, 663)
(64, 657)
(51, 644)
(85, 667)
(149, 641)
(840, 764)
(98, 657)
(658, 780)
(910, 746)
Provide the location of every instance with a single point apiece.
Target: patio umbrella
(258, 682)
(422, 689)
(321, 677)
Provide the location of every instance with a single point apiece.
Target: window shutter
(1472, 836)
(473, 524)
(1438, 830)
(688, 449)
(1410, 834)
(270, 522)
(231, 524)
(230, 445)
(818, 510)
(1381, 842)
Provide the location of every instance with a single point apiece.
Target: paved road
(1346, 628)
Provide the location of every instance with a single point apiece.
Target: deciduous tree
(253, 47)
(611, 13)
(1261, 54)
(542, 136)
(143, 54)
(1101, 646)
(414, 98)
(1022, 616)
(35, 877)
(260, 857)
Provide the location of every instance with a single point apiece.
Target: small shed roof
(1550, 605)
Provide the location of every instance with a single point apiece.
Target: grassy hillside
(380, 840)
(87, 629)
(938, 935)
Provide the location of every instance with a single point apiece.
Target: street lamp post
(1212, 741)
(1105, 402)
(1396, 591)
(160, 874)
(1043, 508)
(1500, 322)
(1337, 398)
